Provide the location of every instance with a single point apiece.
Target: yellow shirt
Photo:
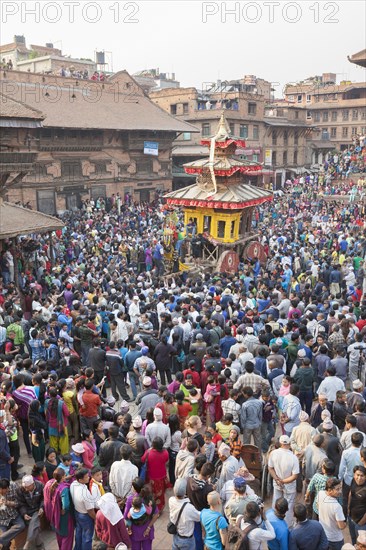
(68, 397)
(223, 430)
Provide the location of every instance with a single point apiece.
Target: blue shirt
(225, 345)
(281, 530)
(262, 304)
(212, 525)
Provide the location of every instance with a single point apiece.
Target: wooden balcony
(16, 162)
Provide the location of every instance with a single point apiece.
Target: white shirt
(346, 438)
(122, 474)
(122, 329)
(228, 490)
(256, 536)
(350, 458)
(330, 511)
(188, 516)
(134, 312)
(285, 464)
(330, 386)
(229, 467)
(81, 497)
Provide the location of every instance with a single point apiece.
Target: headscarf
(109, 508)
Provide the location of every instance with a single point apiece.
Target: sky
(201, 41)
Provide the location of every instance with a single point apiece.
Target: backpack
(237, 539)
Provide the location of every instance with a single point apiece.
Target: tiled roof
(10, 108)
(13, 46)
(358, 58)
(273, 121)
(232, 196)
(16, 220)
(93, 105)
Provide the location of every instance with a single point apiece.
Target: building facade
(275, 137)
(41, 59)
(285, 142)
(96, 139)
(336, 112)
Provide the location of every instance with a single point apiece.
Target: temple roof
(233, 197)
(223, 166)
(223, 137)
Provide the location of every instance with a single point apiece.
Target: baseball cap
(239, 482)
(285, 440)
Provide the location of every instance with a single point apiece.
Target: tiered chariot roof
(215, 187)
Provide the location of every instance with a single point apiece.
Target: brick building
(274, 137)
(285, 141)
(96, 139)
(335, 111)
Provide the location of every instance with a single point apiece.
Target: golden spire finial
(223, 129)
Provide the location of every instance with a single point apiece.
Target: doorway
(46, 202)
(73, 201)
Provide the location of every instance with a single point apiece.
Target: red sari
(156, 474)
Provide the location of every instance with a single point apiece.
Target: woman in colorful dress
(90, 457)
(110, 526)
(141, 530)
(156, 459)
(57, 414)
(57, 508)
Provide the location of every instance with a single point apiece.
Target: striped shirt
(23, 397)
(317, 483)
(232, 407)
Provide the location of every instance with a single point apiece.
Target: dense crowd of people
(124, 382)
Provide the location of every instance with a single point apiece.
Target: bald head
(213, 498)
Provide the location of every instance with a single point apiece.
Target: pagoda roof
(224, 143)
(223, 137)
(233, 197)
(222, 166)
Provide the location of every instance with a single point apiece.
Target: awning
(4, 123)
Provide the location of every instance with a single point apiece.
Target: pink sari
(62, 524)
